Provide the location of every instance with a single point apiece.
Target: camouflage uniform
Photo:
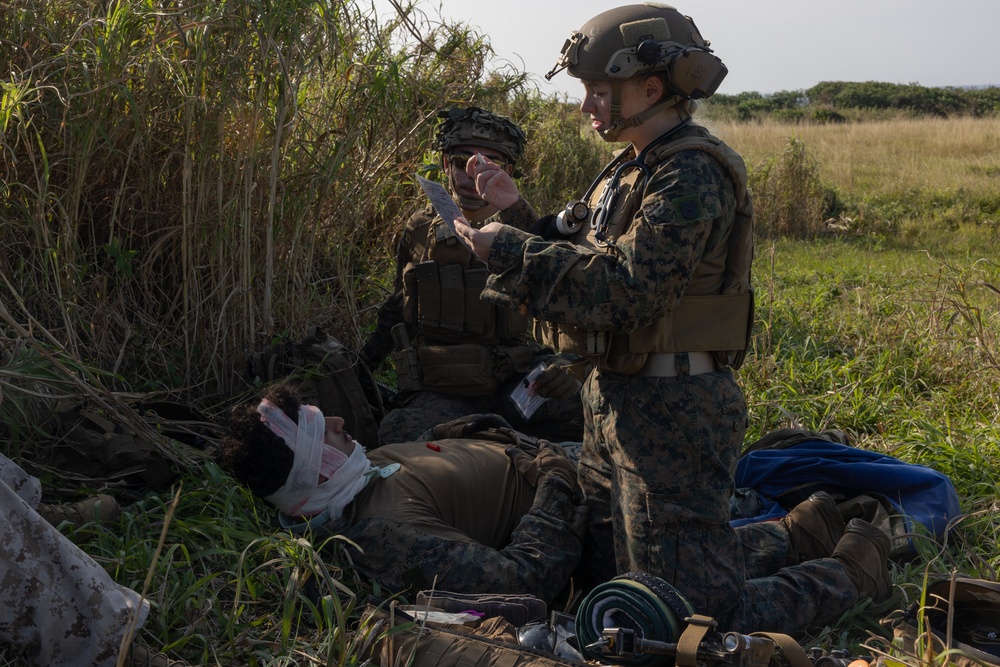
(460, 511)
(556, 419)
(55, 598)
(659, 453)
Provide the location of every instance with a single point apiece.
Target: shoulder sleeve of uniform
(421, 218)
(686, 188)
(520, 215)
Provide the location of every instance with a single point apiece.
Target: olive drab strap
(794, 655)
(687, 646)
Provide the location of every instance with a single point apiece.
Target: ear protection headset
(692, 71)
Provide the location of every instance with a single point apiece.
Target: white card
(444, 205)
(527, 403)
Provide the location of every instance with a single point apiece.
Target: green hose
(651, 607)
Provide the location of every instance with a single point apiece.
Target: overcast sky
(770, 45)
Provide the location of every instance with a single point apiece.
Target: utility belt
(715, 325)
(465, 370)
(664, 365)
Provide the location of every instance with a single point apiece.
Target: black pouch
(964, 620)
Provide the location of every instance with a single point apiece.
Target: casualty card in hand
(444, 205)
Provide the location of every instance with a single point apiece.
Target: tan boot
(100, 509)
(864, 553)
(814, 528)
(140, 655)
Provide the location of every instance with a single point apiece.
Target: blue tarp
(917, 492)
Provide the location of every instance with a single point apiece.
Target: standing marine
(454, 353)
(648, 277)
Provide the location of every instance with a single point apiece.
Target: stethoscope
(577, 212)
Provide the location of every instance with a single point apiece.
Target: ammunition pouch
(717, 323)
(443, 302)
(408, 376)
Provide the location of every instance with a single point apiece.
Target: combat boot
(814, 527)
(100, 509)
(140, 655)
(864, 553)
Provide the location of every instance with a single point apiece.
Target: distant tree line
(840, 101)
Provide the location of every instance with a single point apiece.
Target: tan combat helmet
(638, 40)
(472, 126)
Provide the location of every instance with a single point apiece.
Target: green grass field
(206, 184)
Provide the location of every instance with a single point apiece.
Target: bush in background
(788, 194)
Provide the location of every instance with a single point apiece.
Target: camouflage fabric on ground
(77, 614)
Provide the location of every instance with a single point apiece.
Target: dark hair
(686, 104)
(256, 456)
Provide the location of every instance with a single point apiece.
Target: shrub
(563, 153)
(788, 194)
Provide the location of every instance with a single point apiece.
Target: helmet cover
(473, 126)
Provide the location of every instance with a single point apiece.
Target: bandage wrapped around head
(303, 494)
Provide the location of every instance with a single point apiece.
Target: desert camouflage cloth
(460, 511)
(53, 597)
(659, 453)
(558, 419)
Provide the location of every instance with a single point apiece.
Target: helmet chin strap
(618, 124)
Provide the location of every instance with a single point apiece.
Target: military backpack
(328, 375)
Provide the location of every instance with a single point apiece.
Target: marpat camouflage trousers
(657, 469)
(53, 597)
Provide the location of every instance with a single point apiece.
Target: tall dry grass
(901, 178)
(178, 185)
(891, 156)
